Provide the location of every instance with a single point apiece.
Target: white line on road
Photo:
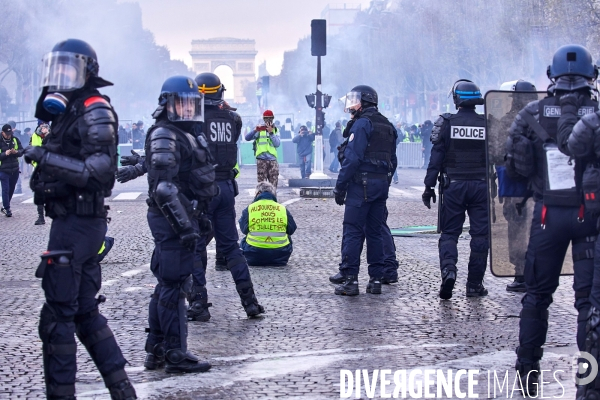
(28, 201)
(290, 201)
(131, 272)
(127, 196)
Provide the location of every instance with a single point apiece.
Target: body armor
(222, 129)
(382, 142)
(465, 157)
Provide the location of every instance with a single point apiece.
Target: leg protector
(590, 391)
(198, 304)
(155, 350)
(119, 386)
(528, 376)
(478, 258)
(246, 291)
(448, 279)
(58, 352)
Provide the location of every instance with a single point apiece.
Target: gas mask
(55, 103)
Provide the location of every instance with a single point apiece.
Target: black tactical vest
(549, 113)
(382, 142)
(220, 132)
(465, 157)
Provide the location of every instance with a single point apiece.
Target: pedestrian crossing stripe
(127, 196)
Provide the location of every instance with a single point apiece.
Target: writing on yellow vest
(267, 224)
(264, 144)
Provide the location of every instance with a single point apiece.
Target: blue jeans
(8, 181)
(305, 162)
(335, 164)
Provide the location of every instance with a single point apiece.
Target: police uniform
(368, 161)
(181, 184)
(559, 217)
(75, 171)
(459, 152)
(222, 128)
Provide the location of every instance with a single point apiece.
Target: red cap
(268, 113)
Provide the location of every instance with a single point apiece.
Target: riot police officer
(181, 185)
(559, 217)
(369, 160)
(223, 127)
(75, 171)
(458, 158)
(579, 139)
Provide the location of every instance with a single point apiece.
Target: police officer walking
(223, 127)
(458, 156)
(181, 185)
(75, 172)
(559, 217)
(369, 160)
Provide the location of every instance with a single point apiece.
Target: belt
(370, 175)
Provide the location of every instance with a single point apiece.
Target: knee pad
(91, 329)
(583, 248)
(49, 320)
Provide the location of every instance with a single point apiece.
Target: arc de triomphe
(238, 54)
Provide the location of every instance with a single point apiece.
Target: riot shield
(510, 212)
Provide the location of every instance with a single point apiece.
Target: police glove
(125, 174)
(427, 195)
(33, 153)
(340, 196)
(188, 239)
(133, 159)
(204, 224)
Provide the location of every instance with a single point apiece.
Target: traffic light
(318, 37)
(311, 99)
(326, 100)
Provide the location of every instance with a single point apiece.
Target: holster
(62, 258)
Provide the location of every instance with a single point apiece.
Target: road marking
(17, 195)
(419, 188)
(290, 201)
(28, 201)
(131, 272)
(127, 196)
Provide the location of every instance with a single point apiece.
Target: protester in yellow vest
(267, 226)
(36, 140)
(266, 141)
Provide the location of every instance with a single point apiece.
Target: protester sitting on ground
(267, 226)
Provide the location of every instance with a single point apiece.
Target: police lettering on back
(468, 132)
(220, 132)
(554, 111)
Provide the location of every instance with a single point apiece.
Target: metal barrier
(410, 155)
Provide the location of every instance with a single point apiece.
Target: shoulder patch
(351, 137)
(94, 100)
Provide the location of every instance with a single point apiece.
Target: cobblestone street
(307, 334)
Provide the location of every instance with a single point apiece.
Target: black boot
(198, 307)
(448, 280)
(386, 280)
(518, 285)
(155, 356)
(180, 361)
(528, 376)
(374, 286)
(349, 287)
(476, 290)
(337, 278)
(40, 220)
(248, 298)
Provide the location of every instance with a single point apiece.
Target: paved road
(307, 335)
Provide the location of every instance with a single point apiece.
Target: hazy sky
(276, 25)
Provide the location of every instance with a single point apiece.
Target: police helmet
(69, 65)
(180, 96)
(523, 86)
(361, 94)
(210, 85)
(572, 59)
(466, 93)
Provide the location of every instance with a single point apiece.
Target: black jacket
(10, 163)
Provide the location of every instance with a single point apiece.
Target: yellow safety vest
(267, 224)
(16, 146)
(36, 140)
(264, 144)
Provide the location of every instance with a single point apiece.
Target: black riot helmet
(180, 96)
(523, 86)
(572, 69)
(69, 65)
(210, 85)
(362, 94)
(465, 93)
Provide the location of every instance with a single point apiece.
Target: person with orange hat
(266, 141)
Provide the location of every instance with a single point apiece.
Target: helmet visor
(184, 107)
(352, 100)
(63, 71)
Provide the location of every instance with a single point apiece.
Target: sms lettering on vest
(220, 131)
(267, 225)
(467, 132)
